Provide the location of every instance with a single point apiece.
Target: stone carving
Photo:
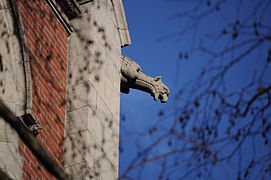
(33, 124)
(132, 77)
(35, 128)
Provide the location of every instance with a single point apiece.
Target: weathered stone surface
(83, 94)
(94, 84)
(82, 171)
(79, 148)
(7, 134)
(11, 161)
(4, 4)
(93, 146)
(12, 91)
(100, 127)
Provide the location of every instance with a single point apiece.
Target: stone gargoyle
(132, 77)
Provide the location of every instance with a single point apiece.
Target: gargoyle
(33, 124)
(132, 77)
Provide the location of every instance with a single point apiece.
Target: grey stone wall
(12, 91)
(92, 133)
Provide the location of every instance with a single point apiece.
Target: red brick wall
(47, 48)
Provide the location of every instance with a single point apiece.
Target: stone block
(114, 57)
(112, 71)
(83, 94)
(104, 24)
(111, 148)
(11, 161)
(91, 144)
(10, 56)
(106, 117)
(7, 134)
(102, 107)
(106, 168)
(79, 148)
(85, 118)
(82, 171)
(78, 120)
(96, 127)
(85, 68)
(112, 96)
(81, 42)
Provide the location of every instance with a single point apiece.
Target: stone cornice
(122, 26)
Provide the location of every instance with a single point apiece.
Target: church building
(61, 74)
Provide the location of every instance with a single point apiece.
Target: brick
(45, 35)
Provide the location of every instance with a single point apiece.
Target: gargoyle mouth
(163, 98)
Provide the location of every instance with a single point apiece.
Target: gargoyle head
(161, 90)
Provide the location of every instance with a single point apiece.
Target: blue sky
(148, 22)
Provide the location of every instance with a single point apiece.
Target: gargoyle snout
(163, 98)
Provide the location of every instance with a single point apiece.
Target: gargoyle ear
(158, 78)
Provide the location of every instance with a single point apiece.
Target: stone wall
(94, 90)
(12, 91)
